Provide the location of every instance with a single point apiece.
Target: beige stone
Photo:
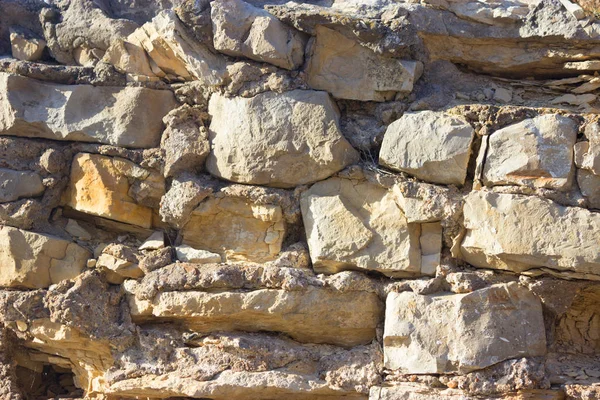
(354, 224)
(348, 70)
(589, 185)
(196, 256)
(432, 146)
(243, 30)
(15, 185)
(420, 391)
(33, 260)
(117, 270)
(128, 117)
(536, 152)
(130, 59)
(314, 315)
(26, 48)
(449, 333)
(99, 185)
(236, 228)
(280, 140)
(174, 51)
(500, 229)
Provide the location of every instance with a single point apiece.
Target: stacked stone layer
(320, 200)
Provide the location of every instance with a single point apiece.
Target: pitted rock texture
(311, 200)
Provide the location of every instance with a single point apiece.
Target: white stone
(518, 233)
(348, 70)
(154, 242)
(243, 30)
(460, 333)
(190, 255)
(15, 185)
(280, 140)
(127, 117)
(432, 146)
(536, 152)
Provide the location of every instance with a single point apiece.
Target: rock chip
(355, 224)
(536, 152)
(243, 30)
(589, 185)
(128, 117)
(174, 53)
(279, 140)
(24, 47)
(432, 146)
(348, 70)
(236, 228)
(500, 228)
(131, 60)
(33, 260)
(190, 255)
(100, 185)
(459, 333)
(15, 185)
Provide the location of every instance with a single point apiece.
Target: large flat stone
(518, 233)
(128, 117)
(536, 152)
(100, 185)
(279, 140)
(18, 184)
(354, 224)
(348, 70)
(241, 29)
(450, 333)
(33, 260)
(432, 146)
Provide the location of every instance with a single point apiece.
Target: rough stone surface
(188, 254)
(493, 240)
(349, 71)
(266, 140)
(32, 260)
(241, 30)
(431, 146)
(536, 152)
(355, 224)
(17, 184)
(129, 117)
(440, 334)
(99, 185)
(26, 48)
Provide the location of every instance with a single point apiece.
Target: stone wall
(333, 199)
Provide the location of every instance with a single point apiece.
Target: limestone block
(190, 255)
(536, 152)
(175, 52)
(128, 117)
(243, 30)
(314, 315)
(15, 185)
(100, 185)
(432, 146)
(518, 233)
(589, 185)
(354, 224)
(25, 47)
(130, 59)
(348, 70)
(236, 228)
(459, 333)
(279, 140)
(33, 260)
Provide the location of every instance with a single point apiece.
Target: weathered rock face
(354, 224)
(537, 152)
(17, 184)
(243, 30)
(31, 260)
(500, 228)
(99, 185)
(266, 140)
(431, 146)
(488, 326)
(215, 199)
(129, 117)
(349, 71)
(236, 228)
